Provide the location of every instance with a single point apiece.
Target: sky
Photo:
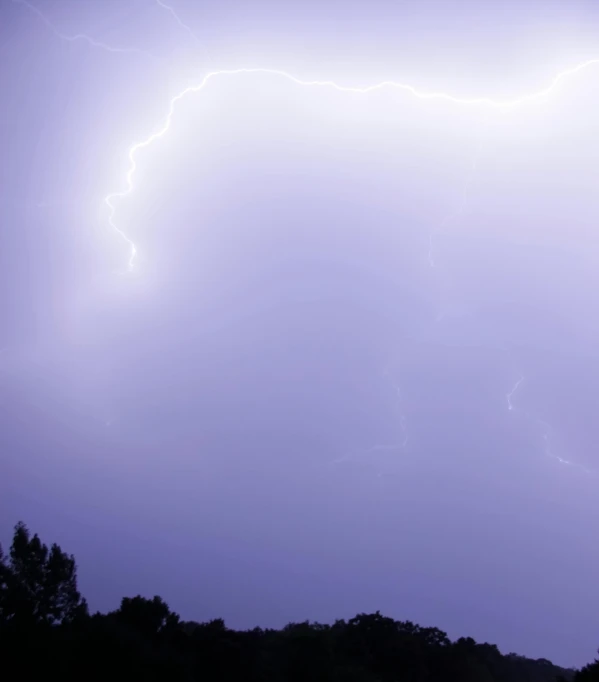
(352, 365)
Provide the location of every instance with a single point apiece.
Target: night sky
(354, 363)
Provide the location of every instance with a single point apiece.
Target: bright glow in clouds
(485, 102)
(445, 98)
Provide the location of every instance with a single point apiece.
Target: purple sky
(297, 404)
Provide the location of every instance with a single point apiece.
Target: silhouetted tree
(149, 617)
(590, 673)
(43, 614)
(37, 585)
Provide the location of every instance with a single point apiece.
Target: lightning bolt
(487, 102)
(546, 432)
(510, 395)
(549, 452)
(482, 102)
(385, 447)
(187, 29)
(92, 42)
(176, 17)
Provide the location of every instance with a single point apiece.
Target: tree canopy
(45, 627)
(38, 585)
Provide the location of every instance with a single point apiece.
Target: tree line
(46, 629)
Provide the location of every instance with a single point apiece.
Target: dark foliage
(45, 629)
(589, 673)
(37, 585)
